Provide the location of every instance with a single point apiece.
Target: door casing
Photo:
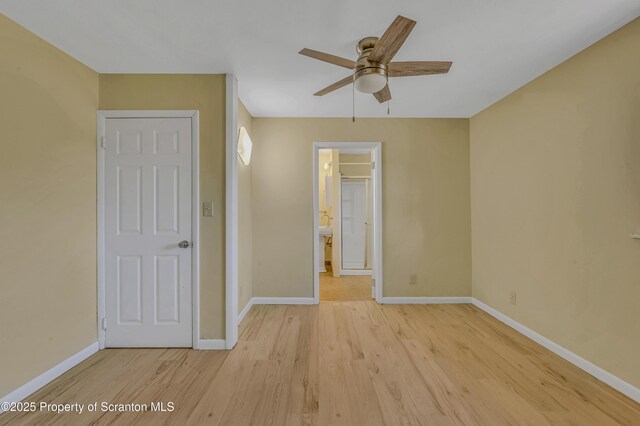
(376, 177)
(102, 117)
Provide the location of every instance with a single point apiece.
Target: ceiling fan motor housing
(374, 73)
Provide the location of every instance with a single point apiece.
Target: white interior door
(353, 224)
(147, 215)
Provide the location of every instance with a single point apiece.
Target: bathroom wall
(324, 157)
(355, 169)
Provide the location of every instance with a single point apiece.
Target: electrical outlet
(413, 279)
(513, 298)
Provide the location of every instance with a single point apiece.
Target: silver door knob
(184, 244)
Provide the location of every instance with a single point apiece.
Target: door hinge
(104, 324)
(373, 283)
(373, 165)
(102, 142)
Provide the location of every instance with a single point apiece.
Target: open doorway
(347, 221)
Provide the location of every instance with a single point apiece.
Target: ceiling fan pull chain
(388, 109)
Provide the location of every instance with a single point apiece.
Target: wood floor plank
(351, 363)
(303, 397)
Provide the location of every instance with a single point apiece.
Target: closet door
(148, 232)
(353, 208)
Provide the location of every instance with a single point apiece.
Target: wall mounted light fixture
(244, 146)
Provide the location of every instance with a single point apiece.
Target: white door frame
(376, 148)
(231, 211)
(102, 116)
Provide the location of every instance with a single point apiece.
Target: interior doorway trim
(376, 148)
(102, 116)
(231, 211)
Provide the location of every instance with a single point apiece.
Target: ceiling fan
(373, 67)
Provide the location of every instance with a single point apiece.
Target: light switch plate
(207, 209)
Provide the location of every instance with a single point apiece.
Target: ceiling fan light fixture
(370, 80)
(370, 83)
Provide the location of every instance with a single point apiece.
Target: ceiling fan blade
(384, 95)
(391, 41)
(408, 69)
(338, 84)
(326, 57)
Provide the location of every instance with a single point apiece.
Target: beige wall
(555, 171)
(207, 94)
(47, 206)
(426, 218)
(245, 226)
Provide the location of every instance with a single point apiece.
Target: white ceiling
(496, 45)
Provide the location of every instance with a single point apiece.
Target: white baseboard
(25, 390)
(211, 344)
(245, 311)
(597, 372)
(424, 300)
(282, 301)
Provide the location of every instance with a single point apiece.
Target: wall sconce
(244, 146)
(327, 165)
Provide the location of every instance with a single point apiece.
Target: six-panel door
(353, 223)
(148, 213)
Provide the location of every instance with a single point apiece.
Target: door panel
(148, 212)
(167, 286)
(129, 199)
(129, 289)
(166, 202)
(353, 224)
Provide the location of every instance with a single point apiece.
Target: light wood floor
(347, 287)
(354, 363)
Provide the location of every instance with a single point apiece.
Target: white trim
(597, 372)
(316, 225)
(245, 310)
(32, 386)
(195, 227)
(194, 115)
(376, 149)
(211, 344)
(231, 217)
(424, 300)
(377, 219)
(100, 183)
(355, 272)
(282, 301)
